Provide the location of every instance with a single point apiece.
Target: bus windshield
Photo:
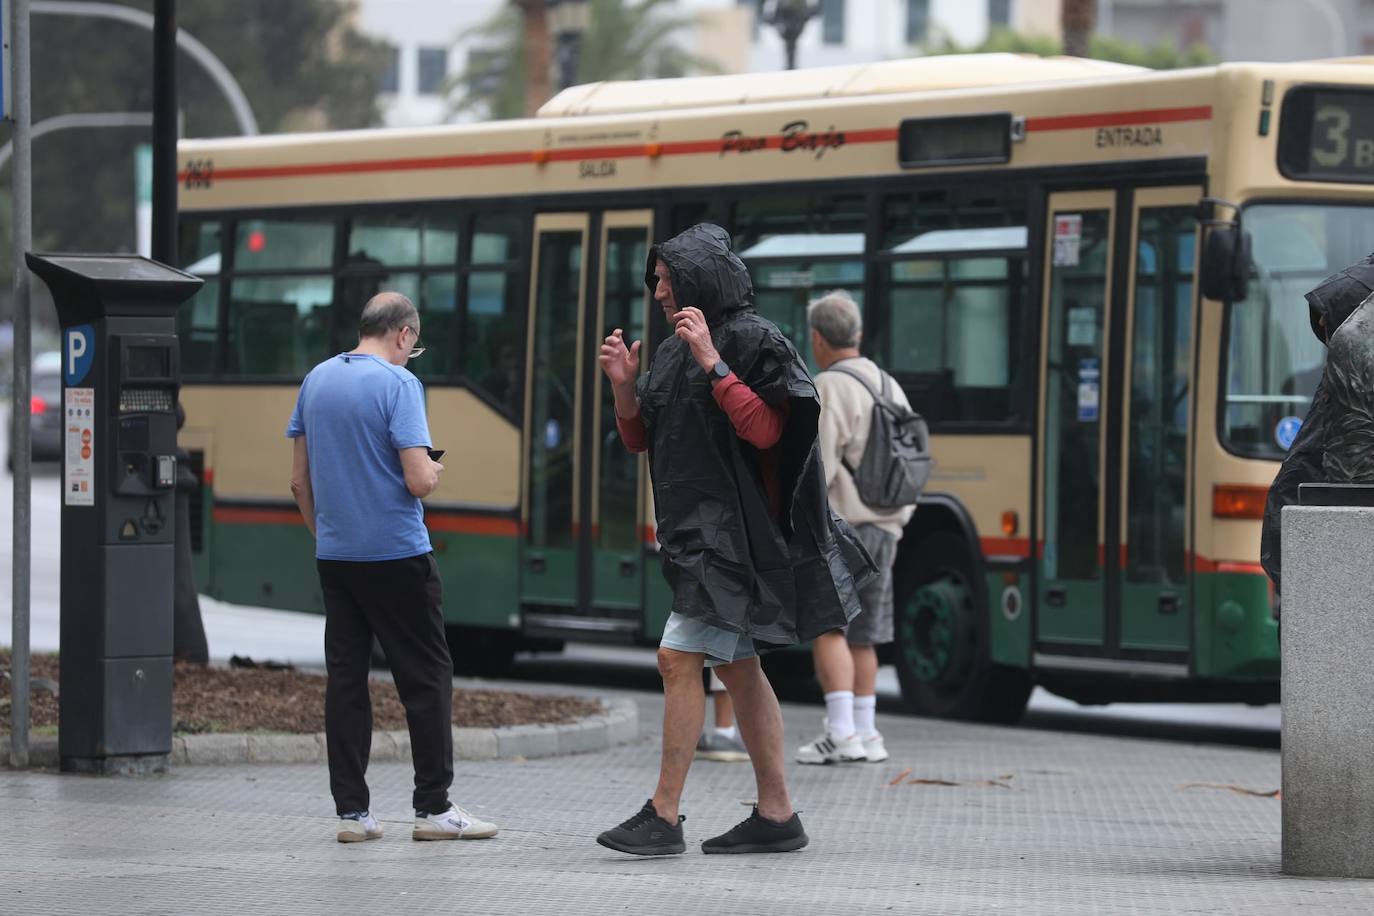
(1274, 361)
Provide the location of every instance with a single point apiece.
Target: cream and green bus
(1087, 277)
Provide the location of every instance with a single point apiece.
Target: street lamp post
(568, 20)
(790, 17)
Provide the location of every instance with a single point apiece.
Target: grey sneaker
(714, 746)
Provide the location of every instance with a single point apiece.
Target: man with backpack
(875, 453)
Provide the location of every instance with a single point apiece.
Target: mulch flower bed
(282, 699)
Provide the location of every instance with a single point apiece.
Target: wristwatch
(720, 371)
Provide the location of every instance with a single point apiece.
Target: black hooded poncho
(1336, 299)
(728, 560)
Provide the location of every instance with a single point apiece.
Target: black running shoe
(646, 834)
(759, 834)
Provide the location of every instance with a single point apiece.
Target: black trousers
(401, 603)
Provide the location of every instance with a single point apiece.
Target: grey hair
(387, 312)
(837, 318)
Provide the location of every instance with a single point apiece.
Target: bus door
(1114, 394)
(1074, 368)
(1154, 611)
(582, 560)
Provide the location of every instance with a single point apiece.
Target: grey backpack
(896, 459)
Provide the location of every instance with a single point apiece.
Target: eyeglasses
(414, 351)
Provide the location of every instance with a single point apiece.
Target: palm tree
(1079, 20)
(624, 40)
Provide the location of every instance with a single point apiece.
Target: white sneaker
(874, 749)
(358, 827)
(827, 749)
(453, 824)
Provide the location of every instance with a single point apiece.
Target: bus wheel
(941, 639)
(480, 651)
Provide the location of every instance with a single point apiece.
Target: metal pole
(188, 630)
(165, 131)
(23, 359)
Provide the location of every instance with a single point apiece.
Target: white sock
(730, 732)
(839, 709)
(864, 709)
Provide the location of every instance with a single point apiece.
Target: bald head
(386, 313)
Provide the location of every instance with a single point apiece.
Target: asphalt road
(261, 633)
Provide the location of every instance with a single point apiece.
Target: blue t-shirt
(355, 411)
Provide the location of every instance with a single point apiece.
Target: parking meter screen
(149, 363)
(1327, 135)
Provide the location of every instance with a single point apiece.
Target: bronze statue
(1336, 442)
(1349, 383)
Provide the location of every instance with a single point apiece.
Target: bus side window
(953, 327)
(198, 252)
(280, 293)
(799, 248)
(493, 345)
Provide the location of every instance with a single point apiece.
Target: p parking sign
(77, 353)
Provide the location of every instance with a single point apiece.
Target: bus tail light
(1011, 523)
(1233, 500)
(37, 405)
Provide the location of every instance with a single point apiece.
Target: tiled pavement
(1063, 824)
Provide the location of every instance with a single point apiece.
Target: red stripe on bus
(523, 157)
(241, 515)
(370, 165)
(1006, 547)
(472, 524)
(1250, 569)
(434, 520)
(1121, 118)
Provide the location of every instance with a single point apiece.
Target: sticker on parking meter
(78, 479)
(78, 354)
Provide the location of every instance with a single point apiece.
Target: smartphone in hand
(435, 454)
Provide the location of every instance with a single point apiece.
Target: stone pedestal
(1328, 691)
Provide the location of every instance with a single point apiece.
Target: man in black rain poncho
(753, 554)
(1328, 446)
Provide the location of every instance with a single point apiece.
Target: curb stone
(619, 724)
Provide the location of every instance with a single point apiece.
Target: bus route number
(1327, 134)
(200, 173)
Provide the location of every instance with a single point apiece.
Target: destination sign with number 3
(1327, 135)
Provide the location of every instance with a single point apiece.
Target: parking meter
(119, 392)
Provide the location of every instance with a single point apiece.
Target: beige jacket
(846, 410)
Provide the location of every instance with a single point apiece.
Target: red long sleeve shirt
(753, 419)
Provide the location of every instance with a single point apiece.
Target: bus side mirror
(1226, 264)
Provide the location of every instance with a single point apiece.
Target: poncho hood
(705, 273)
(1336, 297)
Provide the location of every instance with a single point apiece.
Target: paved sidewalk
(1078, 824)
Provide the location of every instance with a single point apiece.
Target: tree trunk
(1079, 20)
(538, 54)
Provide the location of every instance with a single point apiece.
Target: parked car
(45, 411)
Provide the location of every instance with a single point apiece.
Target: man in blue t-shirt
(360, 467)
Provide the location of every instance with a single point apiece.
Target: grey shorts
(720, 646)
(873, 626)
